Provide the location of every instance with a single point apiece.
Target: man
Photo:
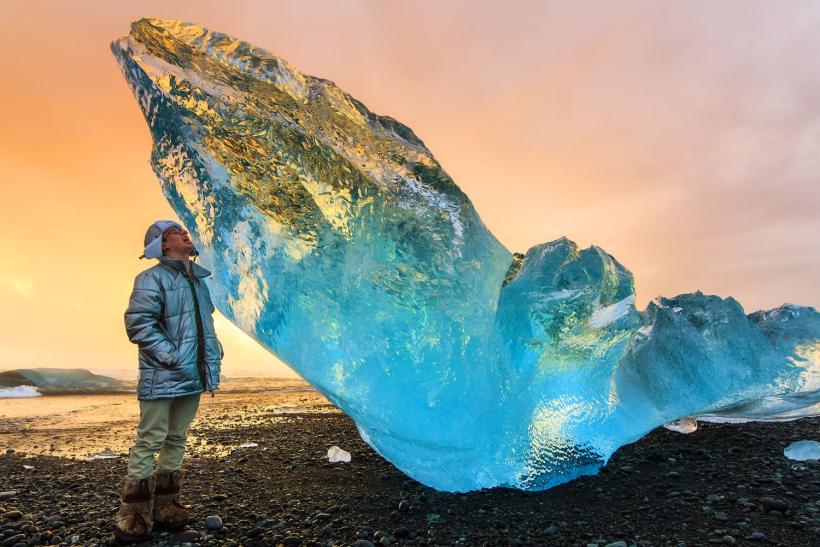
(169, 318)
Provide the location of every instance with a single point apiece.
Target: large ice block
(339, 243)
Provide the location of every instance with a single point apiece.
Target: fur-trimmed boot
(168, 511)
(134, 520)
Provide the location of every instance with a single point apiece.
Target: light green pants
(163, 428)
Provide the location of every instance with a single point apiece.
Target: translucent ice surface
(803, 450)
(339, 243)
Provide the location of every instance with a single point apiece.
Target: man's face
(176, 242)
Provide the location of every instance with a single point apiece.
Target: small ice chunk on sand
(248, 445)
(803, 450)
(682, 425)
(336, 454)
(291, 410)
(106, 454)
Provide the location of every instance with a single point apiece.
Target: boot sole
(130, 538)
(170, 526)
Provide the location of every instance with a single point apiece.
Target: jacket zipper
(200, 338)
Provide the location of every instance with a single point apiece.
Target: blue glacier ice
(339, 243)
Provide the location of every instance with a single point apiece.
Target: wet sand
(85, 424)
(724, 484)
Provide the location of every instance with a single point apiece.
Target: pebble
(8, 494)
(729, 540)
(758, 536)
(774, 504)
(213, 522)
(362, 543)
(616, 544)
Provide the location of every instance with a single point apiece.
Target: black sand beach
(723, 484)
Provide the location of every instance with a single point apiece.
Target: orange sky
(683, 140)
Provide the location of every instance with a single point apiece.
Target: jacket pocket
(167, 359)
(186, 353)
(145, 386)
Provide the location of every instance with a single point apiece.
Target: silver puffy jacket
(162, 320)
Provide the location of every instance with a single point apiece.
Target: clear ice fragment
(336, 455)
(803, 450)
